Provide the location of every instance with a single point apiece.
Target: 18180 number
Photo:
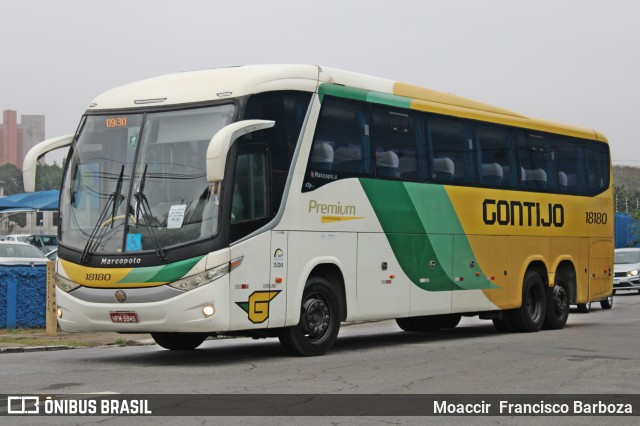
(596, 218)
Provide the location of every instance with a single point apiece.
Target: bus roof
(215, 84)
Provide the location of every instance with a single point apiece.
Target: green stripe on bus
(412, 215)
(166, 273)
(363, 95)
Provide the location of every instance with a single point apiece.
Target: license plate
(123, 316)
(616, 281)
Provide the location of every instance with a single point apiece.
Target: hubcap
(315, 317)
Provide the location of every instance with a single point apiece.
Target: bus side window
(450, 140)
(536, 162)
(497, 155)
(249, 194)
(398, 143)
(341, 146)
(568, 156)
(597, 166)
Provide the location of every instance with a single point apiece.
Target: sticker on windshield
(176, 216)
(134, 242)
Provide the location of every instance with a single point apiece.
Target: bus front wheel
(179, 341)
(319, 323)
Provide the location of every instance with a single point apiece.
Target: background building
(16, 139)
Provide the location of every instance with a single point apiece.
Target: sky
(570, 61)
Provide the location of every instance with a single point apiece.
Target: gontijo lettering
(526, 213)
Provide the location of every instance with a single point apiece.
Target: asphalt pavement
(32, 340)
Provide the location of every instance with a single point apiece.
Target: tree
(11, 178)
(48, 176)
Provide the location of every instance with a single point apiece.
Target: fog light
(59, 313)
(208, 310)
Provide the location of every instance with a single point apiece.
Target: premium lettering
(336, 209)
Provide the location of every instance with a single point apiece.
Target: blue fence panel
(627, 231)
(23, 296)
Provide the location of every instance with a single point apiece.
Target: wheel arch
(332, 273)
(536, 264)
(325, 267)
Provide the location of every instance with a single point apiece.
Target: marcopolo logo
(526, 213)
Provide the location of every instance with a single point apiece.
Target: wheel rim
(560, 301)
(316, 317)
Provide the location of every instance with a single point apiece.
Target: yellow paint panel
(433, 96)
(100, 277)
(442, 103)
(518, 213)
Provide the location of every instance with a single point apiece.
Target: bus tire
(503, 324)
(319, 323)
(584, 308)
(179, 341)
(407, 324)
(607, 303)
(449, 321)
(558, 304)
(429, 322)
(530, 316)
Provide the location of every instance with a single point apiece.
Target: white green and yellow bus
(283, 200)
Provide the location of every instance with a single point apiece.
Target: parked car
(15, 237)
(52, 255)
(19, 253)
(44, 242)
(626, 269)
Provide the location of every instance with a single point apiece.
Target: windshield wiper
(142, 204)
(94, 239)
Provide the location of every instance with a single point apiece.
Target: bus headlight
(64, 284)
(198, 280)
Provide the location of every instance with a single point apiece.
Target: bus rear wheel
(557, 308)
(531, 314)
(607, 303)
(319, 323)
(179, 341)
(584, 308)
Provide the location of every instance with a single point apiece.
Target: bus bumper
(182, 313)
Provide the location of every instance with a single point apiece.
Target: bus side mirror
(222, 141)
(31, 159)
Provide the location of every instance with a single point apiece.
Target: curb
(28, 349)
(21, 349)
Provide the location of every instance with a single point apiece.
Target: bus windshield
(137, 182)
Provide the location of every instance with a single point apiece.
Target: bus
(283, 200)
